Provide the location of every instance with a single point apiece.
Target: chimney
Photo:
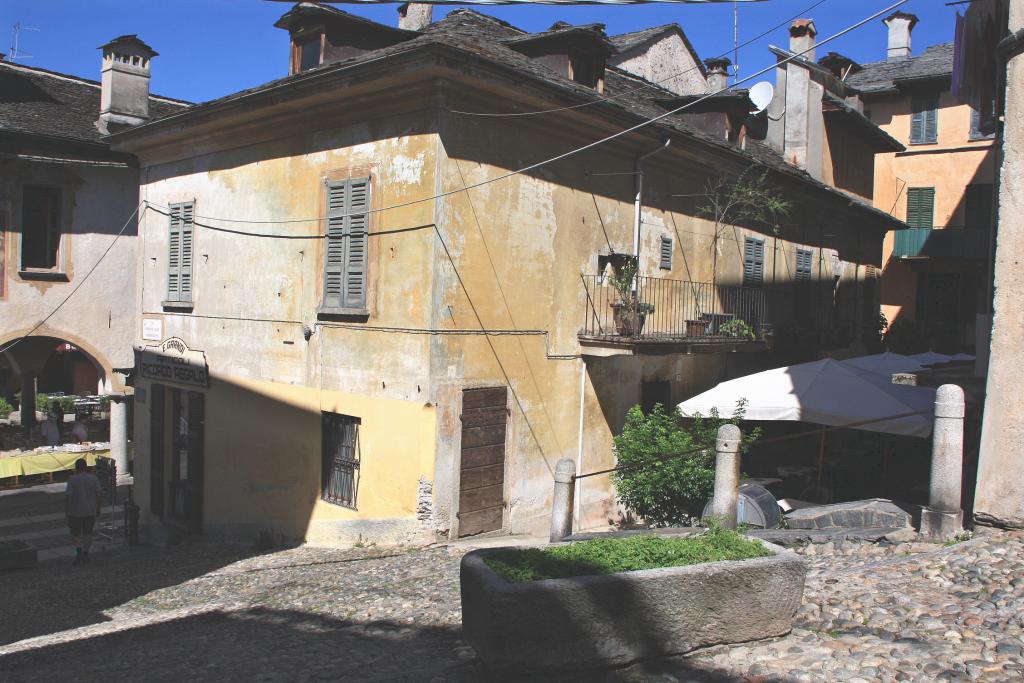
(415, 16)
(718, 73)
(124, 83)
(900, 24)
(801, 38)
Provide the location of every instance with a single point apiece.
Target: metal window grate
(340, 481)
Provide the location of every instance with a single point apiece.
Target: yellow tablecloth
(41, 463)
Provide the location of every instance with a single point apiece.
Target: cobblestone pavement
(913, 612)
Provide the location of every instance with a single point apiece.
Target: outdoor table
(46, 463)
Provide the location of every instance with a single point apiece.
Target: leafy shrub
(611, 555)
(667, 470)
(5, 408)
(67, 404)
(42, 403)
(737, 328)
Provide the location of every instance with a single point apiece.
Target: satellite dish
(761, 95)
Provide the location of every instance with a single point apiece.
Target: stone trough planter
(610, 620)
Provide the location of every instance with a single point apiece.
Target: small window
(666, 253)
(924, 121)
(345, 253)
(978, 130)
(753, 262)
(804, 261)
(40, 227)
(179, 253)
(340, 481)
(309, 52)
(584, 68)
(921, 207)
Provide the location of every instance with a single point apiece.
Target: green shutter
(917, 127)
(179, 252)
(346, 251)
(753, 261)
(931, 122)
(921, 207)
(666, 252)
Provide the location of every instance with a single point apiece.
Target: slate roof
(472, 33)
(625, 42)
(39, 102)
(881, 77)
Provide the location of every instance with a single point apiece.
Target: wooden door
(482, 476)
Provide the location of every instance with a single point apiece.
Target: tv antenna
(15, 39)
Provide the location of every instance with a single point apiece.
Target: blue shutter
(804, 264)
(753, 261)
(666, 252)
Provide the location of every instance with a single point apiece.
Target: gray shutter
(931, 122)
(666, 252)
(355, 256)
(334, 251)
(753, 261)
(917, 124)
(174, 255)
(185, 270)
(803, 264)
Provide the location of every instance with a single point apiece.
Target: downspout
(578, 494)
(638, 172)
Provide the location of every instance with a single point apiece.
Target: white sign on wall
(173, 361)
(152, 329)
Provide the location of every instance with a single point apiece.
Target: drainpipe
(638, 201)
(579, 446)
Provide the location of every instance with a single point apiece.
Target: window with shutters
(41, 228)
(666, 253)
(346, 248)
(981, 129)
(804, 261)
(924, 121)
(339, 484)
(179, 255)
(753, 262)
(921, 207)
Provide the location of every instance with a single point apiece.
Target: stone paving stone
(871, 612)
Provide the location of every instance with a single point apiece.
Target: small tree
(745, 199)
(666, 470)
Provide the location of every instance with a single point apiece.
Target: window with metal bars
(753, 262)
(921, 207)
(345, 252)
(339, 483)
(666, 253)
(179, 253)
(804, 264)
(924, 121)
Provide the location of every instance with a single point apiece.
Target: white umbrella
(825, 392)
(884, 363)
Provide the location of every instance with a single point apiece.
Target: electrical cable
(646, 86)
(81, 282)
(584, 148)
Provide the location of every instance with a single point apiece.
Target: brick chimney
(718, 73)
(124, 83)
(801, 38)
(900, 25)
(415, 16)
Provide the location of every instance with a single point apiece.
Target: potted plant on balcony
(629, 313)
(739, 328)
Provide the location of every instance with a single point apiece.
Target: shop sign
(174, 361)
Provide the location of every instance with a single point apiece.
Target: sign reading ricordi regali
(173, 361)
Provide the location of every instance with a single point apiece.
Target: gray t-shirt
(83, 493)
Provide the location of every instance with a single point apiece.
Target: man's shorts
(81, 525)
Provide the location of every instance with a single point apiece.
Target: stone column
(119, 433)
(561, 506)
(943, 519)
(28, 400)
(727, 475)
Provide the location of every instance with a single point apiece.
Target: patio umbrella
(884, 363)
(825, 392)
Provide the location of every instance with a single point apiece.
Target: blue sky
(210, 48)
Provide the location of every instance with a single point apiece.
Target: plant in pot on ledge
(629, 313)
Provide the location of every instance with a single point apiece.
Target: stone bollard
(943, 519)
(727, 475)
(561, 506)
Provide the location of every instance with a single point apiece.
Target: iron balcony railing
(673, 309)
(942, 243)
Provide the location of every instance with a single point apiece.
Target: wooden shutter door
(482, 469)
(356, 238)
(334, 252)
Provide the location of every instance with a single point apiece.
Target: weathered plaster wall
(664, 61)
(97, 203)
(999, 497)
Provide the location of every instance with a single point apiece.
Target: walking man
(83, 507)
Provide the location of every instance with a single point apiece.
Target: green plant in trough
(737, 328)
(612, 555)
(666, 469)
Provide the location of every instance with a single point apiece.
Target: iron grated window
(340, 481)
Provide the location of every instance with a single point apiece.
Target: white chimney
(415, 16)
(124, 83)
(900, 25)
(718, 73)
(801, 38)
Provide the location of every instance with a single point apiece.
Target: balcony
(672, 316)
(943, 243)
